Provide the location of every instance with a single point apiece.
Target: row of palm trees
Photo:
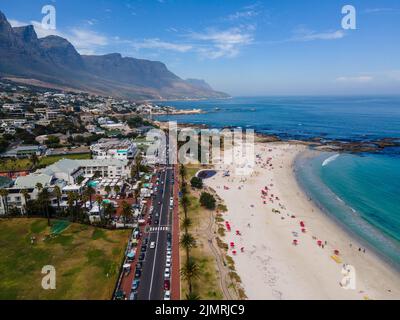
(190, 270)
(42, 205)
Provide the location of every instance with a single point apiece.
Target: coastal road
(152, 280)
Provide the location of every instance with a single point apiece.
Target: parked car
(144, 248)
(156, 222)
(138, 274)
(169, 236)
(167, 273)
(152, 245)
(139, 266)
(133, 295)
(135, 284)
(167, 284)
(142, 256)
(167, 295)
(168, 263)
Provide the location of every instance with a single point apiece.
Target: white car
(168, 263)
(152, 245)
(167, 295)
(166, 273)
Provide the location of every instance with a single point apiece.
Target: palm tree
(138, 162)
(70, 202)
(192, 296)
(108, 211)
(34, 159)
(126, 211)
(182, 172)
(25, 194)
(185, 204)
(187, 242)
(85, 198)
(107, 189)
(190, 271)
(187, 223)
(4, 195)
(90, 192)
(44, 198)
(58, 194)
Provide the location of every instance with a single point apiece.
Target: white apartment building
(114, 149)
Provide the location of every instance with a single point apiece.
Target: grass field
(207, 285)
(26, 164)
(86, 259)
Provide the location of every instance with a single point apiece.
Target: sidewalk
(175, 273)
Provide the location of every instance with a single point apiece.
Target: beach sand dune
(265, 226)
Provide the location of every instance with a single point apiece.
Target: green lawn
(26, 164)
(86, 259)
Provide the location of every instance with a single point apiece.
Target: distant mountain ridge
(54, 60)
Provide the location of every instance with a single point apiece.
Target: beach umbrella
(319, 242)
(302, 224)
(232, 245)
(295, 242)
(234, 252)
(303, 230)
(336, 252)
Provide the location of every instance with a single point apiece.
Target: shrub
(196, 182)
(207, 200)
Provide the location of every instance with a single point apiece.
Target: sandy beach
(270, 265)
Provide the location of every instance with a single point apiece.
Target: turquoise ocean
(361, 192)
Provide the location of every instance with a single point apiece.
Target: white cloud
(222, 43)
(303, 34)
(159, 44)
(243, 14)
(16, 23)
(379, 10)
(355, 79)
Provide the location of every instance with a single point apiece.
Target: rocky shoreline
(318, 143)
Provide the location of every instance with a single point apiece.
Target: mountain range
(53, 62)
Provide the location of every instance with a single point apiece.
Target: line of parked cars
(167, 271)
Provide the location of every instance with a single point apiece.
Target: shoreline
(282, 267)
(318, 143)
(351, 234)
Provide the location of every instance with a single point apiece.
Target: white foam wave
(330, 159)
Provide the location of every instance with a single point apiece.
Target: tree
(80, 179)
(34, 159)
(107, 189)
(208, 201)
(108, 211)
(90, 192)
(4, 195)
(117, 189)
(182, 172)
(186, 223)
(185, 204)
(58, 194)
(190, 271)
(126, 211)
(44, 199)
(70, 202)
(25, 194)
(196, 182)
(188, 242)
(192, 296)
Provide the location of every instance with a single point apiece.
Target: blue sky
(280, 47)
